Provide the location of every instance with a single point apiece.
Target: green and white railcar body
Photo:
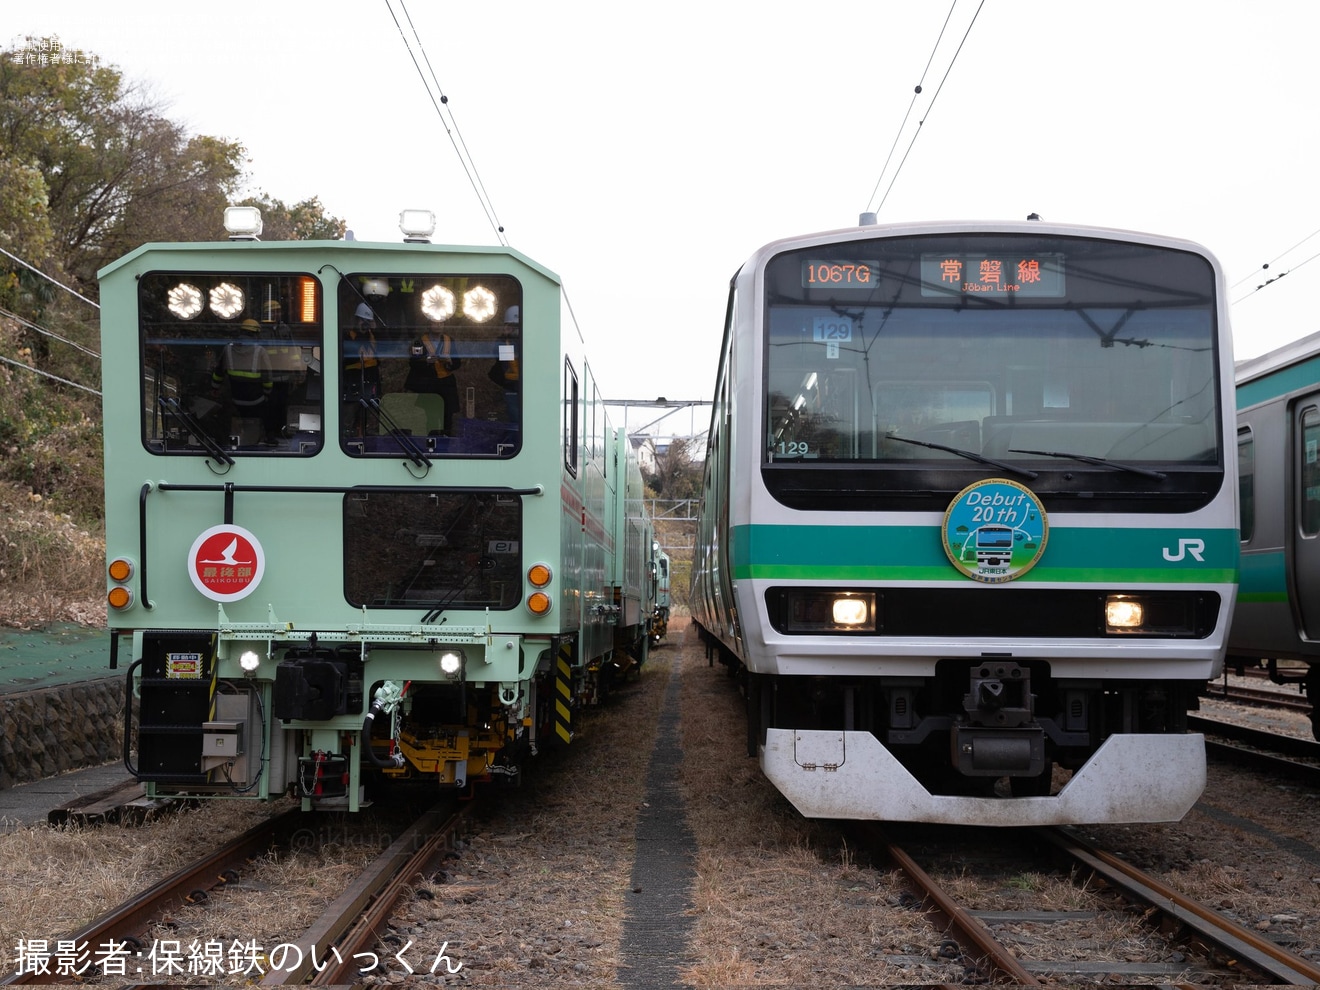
(358, 515)
(968, 519)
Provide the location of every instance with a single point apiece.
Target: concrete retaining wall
(60, 728)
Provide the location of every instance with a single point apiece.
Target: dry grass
(781, 900)
(51, 569)
(54, 881)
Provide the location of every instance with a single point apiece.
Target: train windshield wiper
(1102, 461)
(175, 408)
(969, 454)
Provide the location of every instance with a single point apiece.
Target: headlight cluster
(120, 571)
(185, 300)
(1150, 614)
(439, 303)
(824, 610)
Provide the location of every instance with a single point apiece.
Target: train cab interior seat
(419, 414)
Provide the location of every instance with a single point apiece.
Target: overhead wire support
(451, 124)
(1275, 278)
(1265, 267)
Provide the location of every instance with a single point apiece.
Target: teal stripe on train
(1263, 578)
(1299, 376)
(916, 553)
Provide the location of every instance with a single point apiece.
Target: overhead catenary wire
(1266, 265)
(929, 107)
(911, 103)
(1275, 278)
(451, 124)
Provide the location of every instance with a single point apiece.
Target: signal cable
(48, 333)
(460, 146)
(47, 374)
(929, 107)
(49, 279)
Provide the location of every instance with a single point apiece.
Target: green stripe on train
(1299, 376)
(916, 553)
(1264, 578)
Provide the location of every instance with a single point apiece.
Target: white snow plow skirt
(1130, 778)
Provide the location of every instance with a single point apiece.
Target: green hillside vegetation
(91, 167)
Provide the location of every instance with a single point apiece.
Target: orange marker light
(308, 313)
(539, 575)
(538, 603)
(120, 569)
(119, 598)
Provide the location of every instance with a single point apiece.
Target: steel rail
(353, 921)
(125, 921)
(1240, 943)
(968, 930)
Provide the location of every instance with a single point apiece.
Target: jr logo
(1191, 546)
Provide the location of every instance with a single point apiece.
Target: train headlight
(451, 663)
(851, 611)
(1123, 613)
(227, 300)
(1166, 613)
(822, 610)
(184, 301)
(479, 304)
(437, 303)
(249, 661)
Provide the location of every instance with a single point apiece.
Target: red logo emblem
(226, 563)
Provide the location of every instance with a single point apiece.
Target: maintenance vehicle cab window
(231, 363)
(430, 364)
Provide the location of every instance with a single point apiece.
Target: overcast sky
(643, 152)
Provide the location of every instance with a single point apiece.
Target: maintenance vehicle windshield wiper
(174, 408)
(413, 452)
(971, 455)
(1102, 461)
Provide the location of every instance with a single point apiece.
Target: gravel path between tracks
(542, 891)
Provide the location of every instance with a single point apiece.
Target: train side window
(1308, 474)
(570, 418)
(1246, 449)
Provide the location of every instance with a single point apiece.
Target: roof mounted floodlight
(417, 226)
(243, 223)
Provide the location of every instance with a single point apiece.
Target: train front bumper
(844, 774)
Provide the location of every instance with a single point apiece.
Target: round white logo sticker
(226, 563)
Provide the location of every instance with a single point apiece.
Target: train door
(1306, 499)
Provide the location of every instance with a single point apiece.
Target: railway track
(333, 950)
(993, 943)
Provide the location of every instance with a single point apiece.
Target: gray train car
(1278, 614)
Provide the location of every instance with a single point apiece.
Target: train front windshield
(1048, 354)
